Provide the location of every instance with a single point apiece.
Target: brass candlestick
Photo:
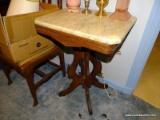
(86, 10)
(101, 4)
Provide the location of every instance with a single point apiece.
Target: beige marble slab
(103, 30)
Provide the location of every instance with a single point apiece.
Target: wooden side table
(86, 34)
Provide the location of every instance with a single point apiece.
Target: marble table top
(92, 27)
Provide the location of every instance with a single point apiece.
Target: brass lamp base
(120, 14)
(99, 13)
(101, 4)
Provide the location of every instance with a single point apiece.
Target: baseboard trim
(116, 86)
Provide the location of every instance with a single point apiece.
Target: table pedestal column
(86, 78)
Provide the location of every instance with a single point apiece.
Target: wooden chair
(30, 65)
(46, 4)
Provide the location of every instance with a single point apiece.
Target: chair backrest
(45, 1)
(59, 2)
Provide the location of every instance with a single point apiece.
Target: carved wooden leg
(61, 57)
(97, 67)
(72, 86)
(72, 74)
(29, 75)
(85, 79)
(88, 100)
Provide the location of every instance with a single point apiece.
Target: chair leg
(29, 75)
(6, 70)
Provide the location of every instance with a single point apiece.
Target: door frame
(147, 42)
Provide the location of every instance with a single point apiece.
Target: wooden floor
(148, 87)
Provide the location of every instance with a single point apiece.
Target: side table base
(86, 78)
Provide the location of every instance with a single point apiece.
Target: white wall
(118, 69)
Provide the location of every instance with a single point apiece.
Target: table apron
(69, 40)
